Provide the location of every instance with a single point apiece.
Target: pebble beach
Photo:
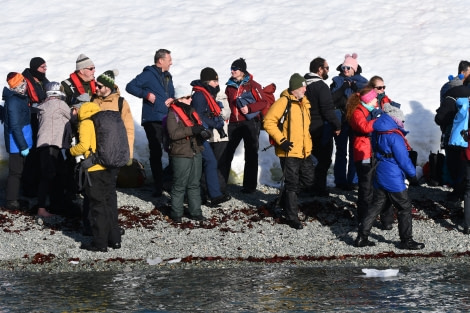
(240, 232)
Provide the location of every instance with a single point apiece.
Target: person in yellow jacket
(293, 143)
(101, 195)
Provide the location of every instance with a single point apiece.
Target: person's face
(213, 83)
(348, 71)
(299, 92)
(186, 100)
(373, 102)
(102, 90)
(466, 73)
(165, 63)
(42, 68)
(237, 74)
(87, 73)
(324, 70)
(379, 87)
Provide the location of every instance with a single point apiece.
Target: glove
(197, 129)
(25, 152)
(129, 163)
(345, 85)
(413, 181)
(286, 145)
(354, 86)
(375, 113)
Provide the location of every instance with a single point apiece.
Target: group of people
(201, 133)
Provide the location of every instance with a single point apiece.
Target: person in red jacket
(245, 122)
(361, 111)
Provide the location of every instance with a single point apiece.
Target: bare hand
(244, 110)
(337, 132)
(169, 101)
(151, 98)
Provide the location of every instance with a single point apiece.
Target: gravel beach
(242, 231)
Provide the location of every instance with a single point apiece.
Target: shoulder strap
(120, 104)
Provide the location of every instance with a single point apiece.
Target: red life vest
(213, 106)
(78, 83)
(33, 96)
(184, 118)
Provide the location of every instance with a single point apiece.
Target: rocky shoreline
(240, 232)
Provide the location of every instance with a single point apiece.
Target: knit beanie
(296, 81)
(36, 62)
(84, 97)
(208, 74)
(107, 78)
(14, 79)
(239, 64)
(83, 62)
(395, 113)
(350, 60)
(368, 97)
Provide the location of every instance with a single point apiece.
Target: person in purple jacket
(393, 166)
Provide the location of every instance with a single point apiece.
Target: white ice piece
(155, 261)
(372, 272)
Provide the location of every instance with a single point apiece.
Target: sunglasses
(234, 68)
(90, 68)
(99, 86)
(345, 68)
(379, 87)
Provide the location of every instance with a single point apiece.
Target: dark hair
(354, 100)
(463, 66)
(373, 80)
(316, 64)
(160, 54)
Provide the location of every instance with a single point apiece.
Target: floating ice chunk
(155, 261)
(372, 272)
(74, 262)
(175, 260)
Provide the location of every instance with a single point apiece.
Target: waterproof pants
(403, 204)
(248, 131)
(154, 132)
(322, 150)
(297, 172)
(344, 170)
(102, 199)
(15, 169)
(186, 180)
(211, 172)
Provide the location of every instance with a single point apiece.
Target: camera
(205, 134)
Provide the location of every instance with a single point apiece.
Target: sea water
(269, 288)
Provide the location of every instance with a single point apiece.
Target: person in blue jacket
(18, 136)
(203, 101)
(393, 167)
(344, 85)
(155, 86)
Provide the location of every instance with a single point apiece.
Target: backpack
(268, 91)
(112, 147)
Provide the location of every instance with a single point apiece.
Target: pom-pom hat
(107, 78)
(351, 60)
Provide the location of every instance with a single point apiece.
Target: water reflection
(254, 289)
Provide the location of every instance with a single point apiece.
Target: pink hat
(368, 97)
(350, 60)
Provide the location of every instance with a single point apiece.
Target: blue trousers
(209, 163)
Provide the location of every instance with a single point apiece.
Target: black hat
(208, 74)
(36, 62)
(239, 64)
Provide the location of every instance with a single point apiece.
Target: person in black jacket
(444, 118)
(324, 122)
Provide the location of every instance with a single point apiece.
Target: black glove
(353, 86)
(286, 145)
(197, 129)
(345, 85)
(375, 113)
(413, 181)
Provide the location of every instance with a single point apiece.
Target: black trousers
(323, 151)
(52, 181)
(154, 132)
(403, 204)
(15, 169)
(249, 132)
(102, 199)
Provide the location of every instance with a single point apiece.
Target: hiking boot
(387, 226)
(410, 244)
(466, 231)
(93, 248)
(362, 241)
(218, 200)
(248, 190)
(295, 224)
(17, 205)
(198, 218)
